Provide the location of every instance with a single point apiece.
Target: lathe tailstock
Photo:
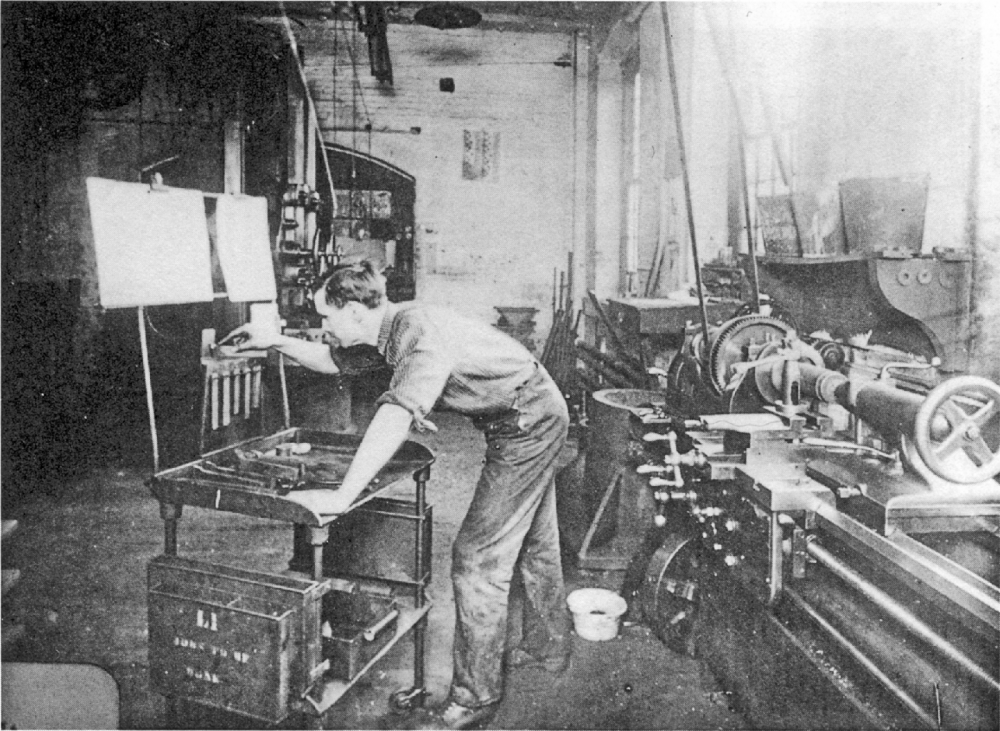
(828, 528)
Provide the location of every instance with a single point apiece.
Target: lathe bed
(830, 520)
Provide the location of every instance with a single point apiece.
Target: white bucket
(597, 613)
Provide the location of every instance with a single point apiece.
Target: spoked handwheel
(961, 414)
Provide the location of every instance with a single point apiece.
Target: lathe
(827, 527)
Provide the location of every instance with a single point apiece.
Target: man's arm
(384, 436)
(314, 356)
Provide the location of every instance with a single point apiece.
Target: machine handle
(971, 406)
(372, 632)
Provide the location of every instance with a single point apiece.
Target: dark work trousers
(511, 525)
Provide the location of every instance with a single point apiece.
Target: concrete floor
(82, 599)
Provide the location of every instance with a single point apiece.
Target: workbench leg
(420, 630)
(318, 538)
(419, 640)
(301, 559)
(171, 514)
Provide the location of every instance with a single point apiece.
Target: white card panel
(152, 245)
(242, 242)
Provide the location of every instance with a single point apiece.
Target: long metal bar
(751, 247)
(310, 104)
(728, 74)
(147, 376)
(851, 649)
(776, 578)
(973, 580)
(615, 377)
(285, 409)
(665, 14)
(622, 366)
(917, 569)
(569, 282)
(654, 270)
(419, 597)
(898, 612)
(375, 130)
(608, 325)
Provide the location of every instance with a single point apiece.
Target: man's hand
(259, 336)
(253, 336)
(322, 502)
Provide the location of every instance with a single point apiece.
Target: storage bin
(243, 641)
(356, 626)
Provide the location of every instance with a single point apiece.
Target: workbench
(215, 482)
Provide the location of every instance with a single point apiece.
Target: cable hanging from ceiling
(357, 93)
(310, 104)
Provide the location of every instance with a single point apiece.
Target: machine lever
(851, 446)
(884, 373)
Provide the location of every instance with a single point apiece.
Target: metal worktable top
(329, 456)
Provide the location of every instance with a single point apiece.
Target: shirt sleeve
(357, 359)
(421, 364)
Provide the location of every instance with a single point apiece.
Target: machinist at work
(441, 359)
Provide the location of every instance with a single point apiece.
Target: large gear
(731, 339)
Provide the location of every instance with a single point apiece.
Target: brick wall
(479, 243)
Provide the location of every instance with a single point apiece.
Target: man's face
(344, 323)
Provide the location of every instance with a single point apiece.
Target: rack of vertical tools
(265, 645)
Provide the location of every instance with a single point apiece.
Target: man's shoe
(521, 658)
(454, 716)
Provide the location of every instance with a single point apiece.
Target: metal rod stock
(899, 613)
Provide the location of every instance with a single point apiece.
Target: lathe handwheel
(970, 406)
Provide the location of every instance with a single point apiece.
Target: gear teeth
(716, 368)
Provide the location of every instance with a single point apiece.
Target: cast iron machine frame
(832, 549)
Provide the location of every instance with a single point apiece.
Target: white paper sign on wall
(152, 245)
(244, 249)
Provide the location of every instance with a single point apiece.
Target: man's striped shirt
(443, 360)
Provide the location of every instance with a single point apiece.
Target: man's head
(351, 302)
(354, 283)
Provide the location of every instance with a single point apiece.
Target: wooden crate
(244, 641)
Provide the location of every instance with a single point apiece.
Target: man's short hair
(359, 282)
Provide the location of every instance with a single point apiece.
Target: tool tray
(254, 476)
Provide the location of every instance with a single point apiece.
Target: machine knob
(971, 407)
